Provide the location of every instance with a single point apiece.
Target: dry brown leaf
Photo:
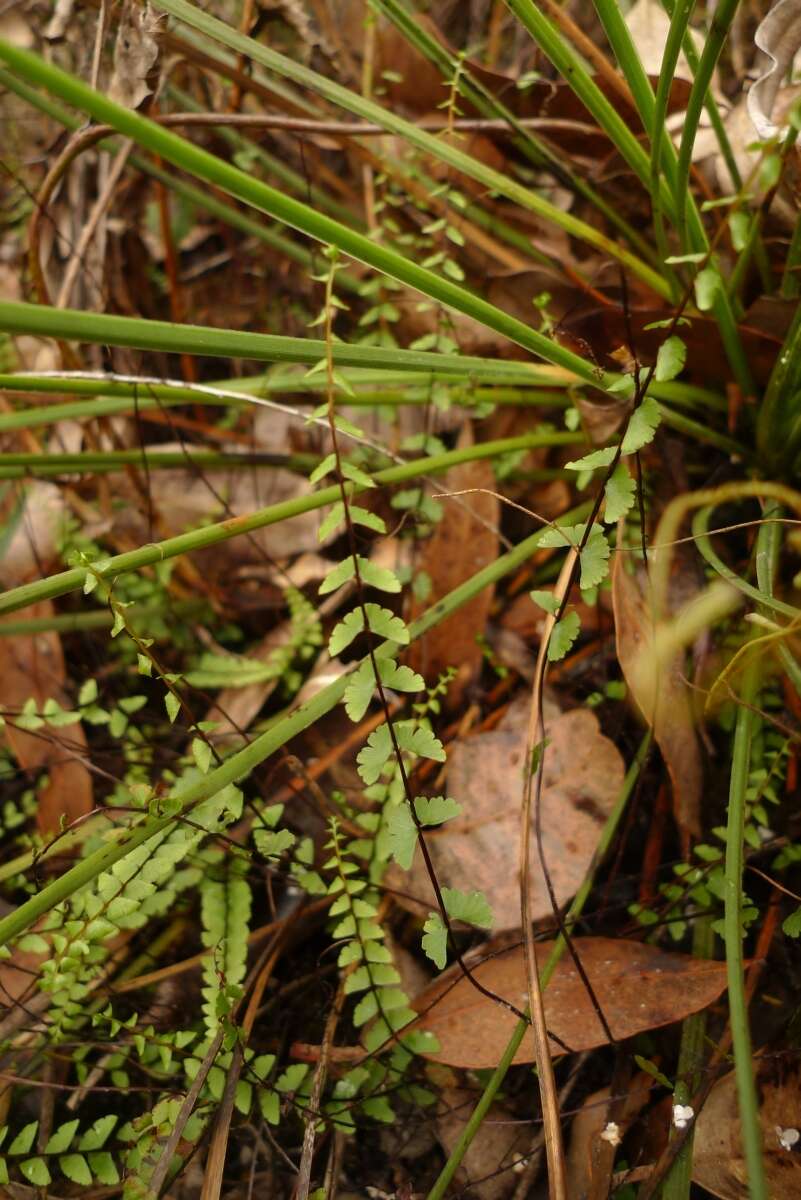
(779, 37)
(136, 51)
(463, 542)
(183, 500)
(648, 24)
(583, 774)
(666, 707)
(499, 1142)
(33, 665)
(739, 123)
(18, 976)
(36, 520)
(591, 1156)
(638, 987)
(718, 1163)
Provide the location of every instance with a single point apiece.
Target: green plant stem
(721, 20)
(211, 535)
(495, 181)
(778, 425)
(272, 236)
(259, 195)
(18, 466)
(652, 114)
(571, 68)
(678, 203)
(679, 20)
(142, 396)
(700, 431)
(493, 1085)
(765, 600)
(724, 144)
(101, 328)
(537, 150)
(733, 937)
(120, 395)
(536, 387)
(629, 61)
(791, 276)
(239, 765)
(290, 179)
(101, 618)
(715, 119)
(768, 552)
(691, 1057)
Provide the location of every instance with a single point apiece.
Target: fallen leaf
(32, 665)
(648, 24)
(186, 499)
(583, 774)
(34, 522)
(748, 154)
(136, 52)
(638, 987)
(16, 30)
(18, 975)
(595, 1133)
(600, 330)
(463, 542)
(486, 1170)
(718, 1163)
(666, 708)
(778, 36)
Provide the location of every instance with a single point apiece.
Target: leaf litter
(641, 988)
(637, 987)
(484, 775)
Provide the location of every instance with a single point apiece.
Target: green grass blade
(211, 535)
(369, 110)
(102, 328)
(537, 150)
(203, 165)
(272, 236)
(572, 69)
(719, 28)
(778, 424)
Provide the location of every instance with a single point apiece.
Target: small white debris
(611, 1134)
(788, 1138)
(682, 1115)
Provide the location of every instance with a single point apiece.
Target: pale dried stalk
(554, 1150)
(321, 1071)
(87, 233)
(588, 49)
